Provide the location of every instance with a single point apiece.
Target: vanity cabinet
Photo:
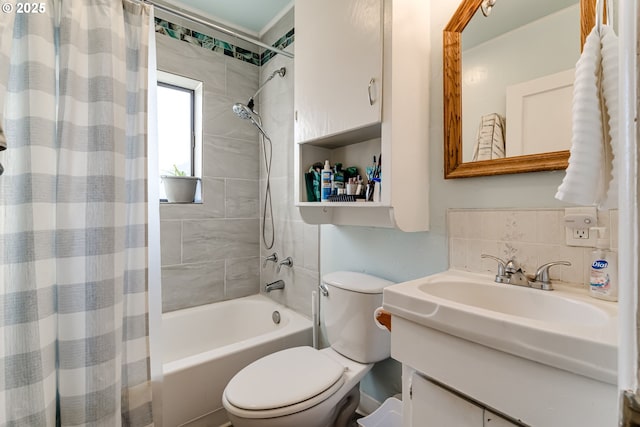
(361, 90)
(528, 393)
(430, 404)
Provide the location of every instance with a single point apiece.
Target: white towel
(589, 177)
(610, 91)
(489, 138)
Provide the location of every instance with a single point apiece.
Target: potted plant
(179, 187)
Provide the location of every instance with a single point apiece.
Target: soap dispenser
(603, 276)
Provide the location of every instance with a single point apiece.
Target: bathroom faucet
(288, 262)
(278, 284)
(273, 258)
(510, 273)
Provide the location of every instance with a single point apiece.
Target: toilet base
(326, 414)
(348, 406)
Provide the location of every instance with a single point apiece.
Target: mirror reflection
(516, 78)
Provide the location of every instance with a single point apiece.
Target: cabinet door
(433, 406)
(495, 420)
(338, 66)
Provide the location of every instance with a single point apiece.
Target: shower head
(246, 113)
(242, 111)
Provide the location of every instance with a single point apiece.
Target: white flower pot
(180, 189)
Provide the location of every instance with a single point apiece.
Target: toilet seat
(284, 383)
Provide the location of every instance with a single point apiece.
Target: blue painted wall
(400, 256)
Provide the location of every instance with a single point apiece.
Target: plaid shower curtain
(74, 346)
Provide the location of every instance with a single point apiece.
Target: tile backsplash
(530, 236)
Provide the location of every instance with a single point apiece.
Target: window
(179, 126)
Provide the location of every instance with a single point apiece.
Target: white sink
(508, 299)
(564, 328)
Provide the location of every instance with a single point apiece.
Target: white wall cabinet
(433, 406)
(361, 90)
(338, 67)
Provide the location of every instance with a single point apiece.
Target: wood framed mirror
(454, 165)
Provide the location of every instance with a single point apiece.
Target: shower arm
(281, 71)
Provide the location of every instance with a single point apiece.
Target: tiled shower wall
(210, 251)
(294, 238)
(530, 236)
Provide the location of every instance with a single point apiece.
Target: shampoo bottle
(338, 179)
(603, 277)
(327, 178)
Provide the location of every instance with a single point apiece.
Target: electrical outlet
(577, 222)
(581, 233)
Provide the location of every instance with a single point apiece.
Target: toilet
(302, 386)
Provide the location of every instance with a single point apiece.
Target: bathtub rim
(297, 323)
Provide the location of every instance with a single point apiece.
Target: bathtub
(204, 347)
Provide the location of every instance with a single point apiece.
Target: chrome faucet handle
(288, 262)
(273, 258)
(501, 276)
(541, 279)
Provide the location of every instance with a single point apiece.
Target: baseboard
(367, 404)
(215, 418)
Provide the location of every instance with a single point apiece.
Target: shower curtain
(74, 345)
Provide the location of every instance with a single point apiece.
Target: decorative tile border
(179, 32)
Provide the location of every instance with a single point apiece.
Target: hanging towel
(589, 179)
(490, 138)
(610, 92)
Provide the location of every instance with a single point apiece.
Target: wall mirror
(508, 82)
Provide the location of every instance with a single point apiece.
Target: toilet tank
(347, 315)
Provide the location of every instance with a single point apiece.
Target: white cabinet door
(495, 420)
(433, 406)
(338, 76)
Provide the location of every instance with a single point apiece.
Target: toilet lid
(282, 379)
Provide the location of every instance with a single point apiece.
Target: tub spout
(278, 284)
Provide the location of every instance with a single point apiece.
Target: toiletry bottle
(603, 277)
(338, 179)
(327, 178)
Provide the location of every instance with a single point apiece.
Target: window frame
(179, 82)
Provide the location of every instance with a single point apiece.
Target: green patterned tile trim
(211, 43)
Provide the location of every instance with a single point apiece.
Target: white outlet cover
(586, 212)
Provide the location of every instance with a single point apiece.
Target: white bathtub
(205, 346)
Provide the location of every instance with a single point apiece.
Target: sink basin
(564, 328)
(507, 299)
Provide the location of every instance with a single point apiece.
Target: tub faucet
(278, 284)
(288, 261)
(273, 258)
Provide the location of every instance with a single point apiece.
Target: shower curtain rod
(183, 14)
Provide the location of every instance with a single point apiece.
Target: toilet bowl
(302, 386)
